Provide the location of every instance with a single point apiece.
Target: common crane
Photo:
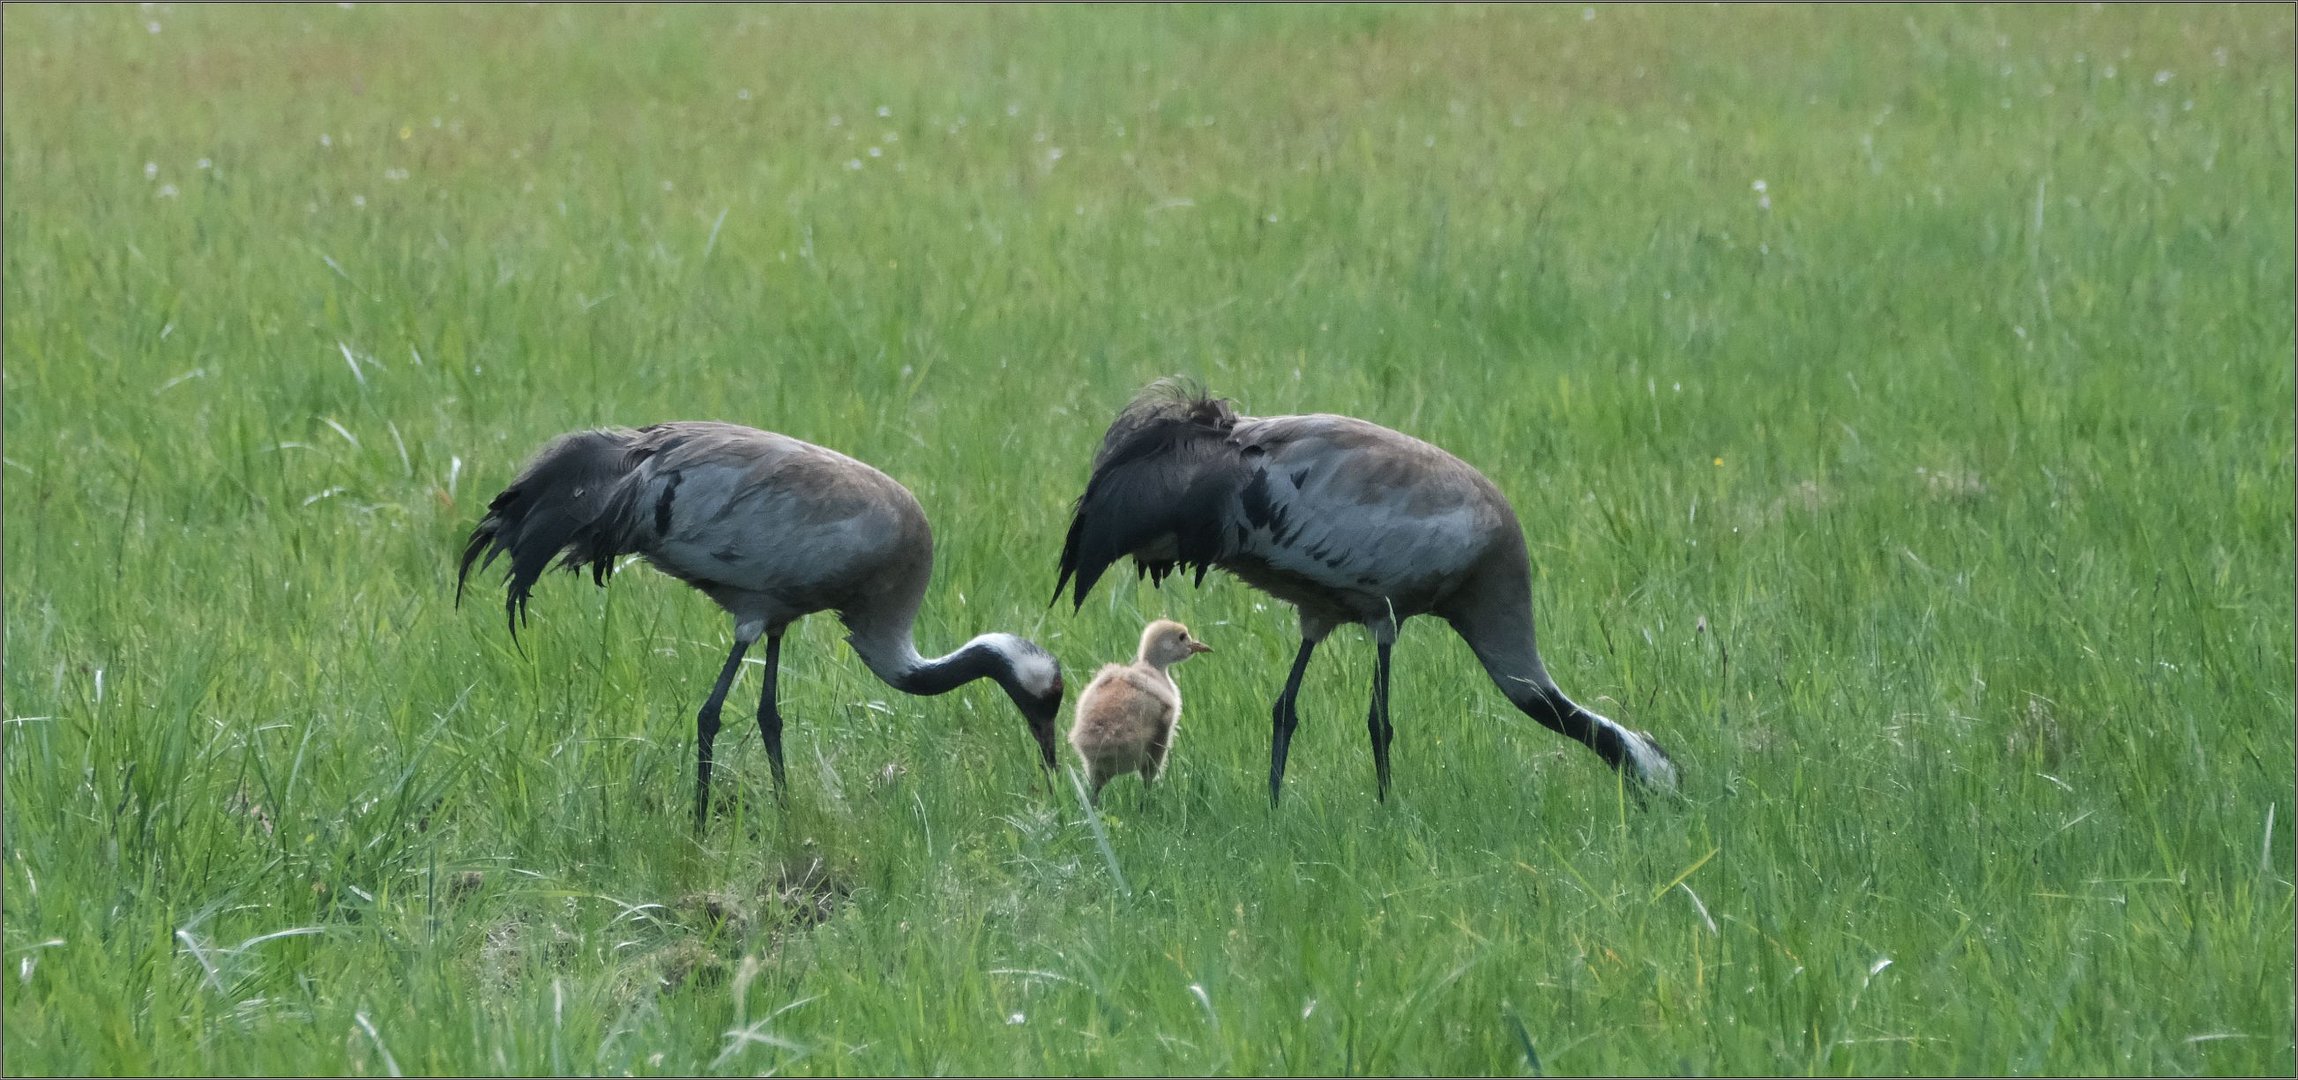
(772, 529)
(1347, 521)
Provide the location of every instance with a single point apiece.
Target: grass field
(1898, 402)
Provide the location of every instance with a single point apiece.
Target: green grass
(1937, 516)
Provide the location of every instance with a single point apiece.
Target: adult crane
(1347, 521)
(772, 529)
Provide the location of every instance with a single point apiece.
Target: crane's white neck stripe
(1650, 763)
(1033, 666)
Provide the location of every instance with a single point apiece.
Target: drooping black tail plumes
(563, 502)
(1163, 471)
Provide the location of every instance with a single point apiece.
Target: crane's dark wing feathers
(1166, 469)
(565, 502)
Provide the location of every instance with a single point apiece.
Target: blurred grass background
(1898, 402)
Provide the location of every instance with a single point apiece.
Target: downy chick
(1126, 716)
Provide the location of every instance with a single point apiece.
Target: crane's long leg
(1284, 719)
(706, 724)
(1376, 719)
(770, 711)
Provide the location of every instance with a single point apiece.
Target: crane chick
(1126, 716)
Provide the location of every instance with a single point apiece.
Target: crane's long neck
(1028, 674)
(910, 673)
(893, 655)
(1499, 630)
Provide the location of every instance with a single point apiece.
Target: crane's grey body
(845, 536)
(1361, 524)
(1347, 521)
(772, 529)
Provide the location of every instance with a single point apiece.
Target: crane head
(1041, 711)
(1032, 678)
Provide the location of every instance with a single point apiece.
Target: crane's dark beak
(1042, 712)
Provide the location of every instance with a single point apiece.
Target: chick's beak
(1196, 647)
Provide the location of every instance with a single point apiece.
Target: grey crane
(1347, 521)
(771, 528)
